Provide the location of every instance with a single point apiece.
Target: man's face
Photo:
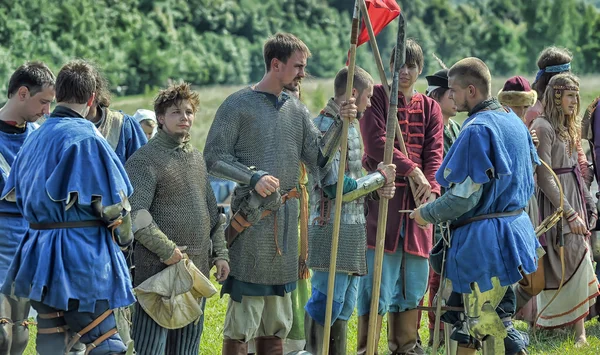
(292, 72)
(408, 75)
(293, 90)
(178, 119)
(34, 107)
(363, 101)
(458, 94)
(447, 105)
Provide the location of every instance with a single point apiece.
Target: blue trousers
(344, 296)
(149, 338)
(393, 298)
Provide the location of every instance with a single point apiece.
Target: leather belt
(239, 223)
(487, 216)
(66, 225)
(11, 215)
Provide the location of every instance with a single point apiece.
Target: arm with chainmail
(458, 200)
(217, 236)
(143, 178)
(319, 150)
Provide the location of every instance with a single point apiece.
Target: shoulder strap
(111, 127)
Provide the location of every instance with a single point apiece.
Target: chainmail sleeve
(143, 179)
(220, 251)
(219, 151)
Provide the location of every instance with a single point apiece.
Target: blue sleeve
(134, 135)
(478, 154)
(349, 185)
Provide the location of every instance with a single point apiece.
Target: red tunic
(423, 130)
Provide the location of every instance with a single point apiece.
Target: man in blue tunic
(489, 176)
(30, 92)
(72, 190)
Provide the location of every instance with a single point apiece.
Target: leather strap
(239, 223)
(10, 215)
(53, 330)
(66, 225)
(487, 216)
(51, 315)
(87, 329)
(96, 342)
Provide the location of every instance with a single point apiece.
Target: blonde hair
(568, 130)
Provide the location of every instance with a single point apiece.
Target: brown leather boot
(234, 347)
(363, 333)
(270, 345)
(402, 332)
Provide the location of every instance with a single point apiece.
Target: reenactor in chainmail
(174, 210)
(258, 139)
(351, 258)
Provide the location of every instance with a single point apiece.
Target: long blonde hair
(568, 130)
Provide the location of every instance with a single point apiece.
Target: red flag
(381, 13)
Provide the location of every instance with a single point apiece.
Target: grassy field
(315, 94)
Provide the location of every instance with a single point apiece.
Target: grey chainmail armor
(170, 182)
(250, 134)
(353, 236)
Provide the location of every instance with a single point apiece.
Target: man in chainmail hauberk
(258, 139)
(351, 259)
(174, 210)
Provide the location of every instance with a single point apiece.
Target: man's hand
(534, 138)
(175, 257)
(222, 270)
(423, 186)
(348, 110)
(416, 215)
(389, 171)
(267, 185)
(387, 191)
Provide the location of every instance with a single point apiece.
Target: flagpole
(390, 133)
(340, 186)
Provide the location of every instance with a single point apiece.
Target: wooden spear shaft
(387, 159)
(382, 77)
(340, 186)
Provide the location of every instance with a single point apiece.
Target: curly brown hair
(173, 96)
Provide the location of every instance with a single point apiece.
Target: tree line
(141, 44)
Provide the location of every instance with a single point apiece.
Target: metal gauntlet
(117, 218)
(365, 185)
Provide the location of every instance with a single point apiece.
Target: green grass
(315, 94)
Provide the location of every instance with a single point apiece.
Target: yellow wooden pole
(340, 187)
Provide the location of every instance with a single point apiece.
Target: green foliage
(144, 43)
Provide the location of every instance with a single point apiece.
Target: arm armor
(365, 185)
(117, 218)
(151, 237)
(329, 144)
(460, 199)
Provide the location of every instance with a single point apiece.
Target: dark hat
(439, 78)
(517, 92)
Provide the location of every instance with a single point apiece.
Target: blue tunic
(493, 149)
(13, 228)
(132, 137)
(62, 166)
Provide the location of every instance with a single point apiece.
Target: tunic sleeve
(134, 134)
(545, 180)
(433, 146)
(86, 169)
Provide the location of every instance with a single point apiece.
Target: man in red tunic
(405, 263)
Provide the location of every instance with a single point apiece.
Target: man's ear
(22, 92)
(90, 101)
(472, 90)
(275, 64)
